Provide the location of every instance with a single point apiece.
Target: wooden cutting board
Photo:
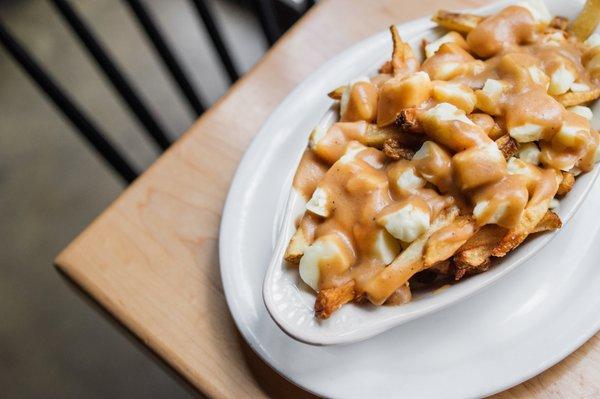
(151, 258)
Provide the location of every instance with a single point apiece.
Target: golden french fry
(443, 268)
(480, 265)
(566, 184)
(439, 248)
(463, 23)
(386, 68)
(377, 136)
(331, 299)
(558, 22)
(401, 296)
(575, 98)
(403, 58)
(550, 221)
(337, 93)
(474, 256)
(531, 217)
(296, 247)
(507, 145)
(587, 20)
(393, 149)
(407, 121)
(301, 240)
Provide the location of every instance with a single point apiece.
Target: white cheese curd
(447, 70)
(553, 203)
(481, 208)
(529, 152)
(560, 81)
(517, 166)
(448, 112)
(538, 76)
(325, 249)
(352, 150)
(319, 203)
(407, 223)
(579, 87)
(493, 87)
(386, 247)
(567, 135)
(409, 181)
(526, 133)
(493, 152)
(433, 47)
(581, 110)
(346, 94)
(316, 135)
(456, 94)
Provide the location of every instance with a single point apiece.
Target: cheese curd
(406, 221)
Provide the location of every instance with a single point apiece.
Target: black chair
(268, 13)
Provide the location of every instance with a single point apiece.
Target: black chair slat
(117, 79)
(265, 11)
(67, 107)
(150, 26)
(217, 39)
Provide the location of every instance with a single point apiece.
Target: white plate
(501, 336)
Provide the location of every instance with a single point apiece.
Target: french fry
(337, 93)
(466, 269)
(474, 256)
(587, 20)
(386, 68)
(576, 98)
(559, 22)
(439, 248)
(403, 58)
(463, 23)
(401, 296)
(550, 221)
(407, 121)
(393, 149)
(301, 240)
(409, 262)
(532, 215)
(443, 268)
(377, 136)
(566, 184)
(331, 299)
(507, 145)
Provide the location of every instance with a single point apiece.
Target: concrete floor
(53, 344)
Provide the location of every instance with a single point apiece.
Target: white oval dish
(505, 334)
(290, 302)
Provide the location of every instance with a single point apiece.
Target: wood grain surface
(151, 258)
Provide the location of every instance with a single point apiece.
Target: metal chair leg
(117, 79)
(267, 17)
(215, 35)
(149, 25)
(68, 108)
